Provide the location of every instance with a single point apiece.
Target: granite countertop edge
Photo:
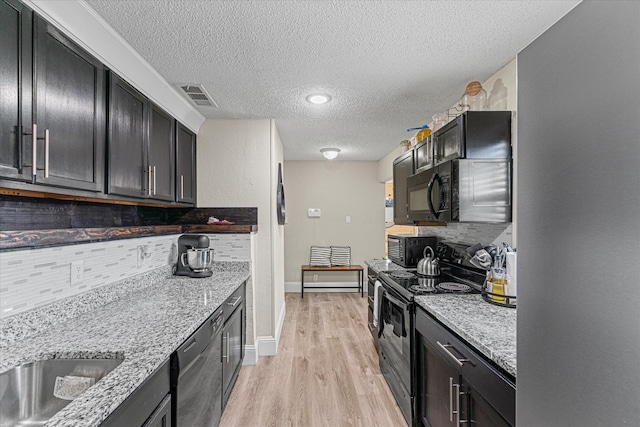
(143, 326)
(489, 329)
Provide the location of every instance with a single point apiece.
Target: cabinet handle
(34, 154)
(154, 180)
(46, 153)
(446, 350)
(450, 399)
(149, 179)
(190, 346)
(235, 302)
(181, 187)
(457, 411)
(228, 345)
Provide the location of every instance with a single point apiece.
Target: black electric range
(396, 309)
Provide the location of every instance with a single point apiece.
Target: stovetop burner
(422, 290)
(401, 274)
(453, 287)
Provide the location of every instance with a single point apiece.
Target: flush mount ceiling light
(330, 153)
(318, 98)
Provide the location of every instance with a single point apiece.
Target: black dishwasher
(196, 376)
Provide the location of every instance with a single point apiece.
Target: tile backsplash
(472, 233)
(37, 277)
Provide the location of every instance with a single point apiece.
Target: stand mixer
(194, 256)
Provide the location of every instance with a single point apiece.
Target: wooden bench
(356, 268)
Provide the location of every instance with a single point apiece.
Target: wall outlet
(315, 277)
(348, 219)
(77, 272)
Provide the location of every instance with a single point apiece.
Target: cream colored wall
(339, 189)
(277, 232)
(234, 170)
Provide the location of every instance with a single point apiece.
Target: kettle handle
(424, 253)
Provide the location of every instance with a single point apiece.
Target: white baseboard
(297, 286)
(268, 346)
(250, 355)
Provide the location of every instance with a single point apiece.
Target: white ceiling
(388, 65)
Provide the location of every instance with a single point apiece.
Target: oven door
(394, 346)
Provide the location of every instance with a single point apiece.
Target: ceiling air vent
(198, 95)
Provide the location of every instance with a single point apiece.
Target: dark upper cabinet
(52, 101)
(127, 134)
(185, 165)
(162, 137)
(142, 141)
(69, 112)
(403, 167)
(15, 90)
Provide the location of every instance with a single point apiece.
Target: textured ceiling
(388, 65)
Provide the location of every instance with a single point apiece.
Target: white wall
(277, 233)
(235, 169)
(338, 189)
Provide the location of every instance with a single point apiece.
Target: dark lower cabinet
(233, 340)
(455, 385)
(185, 165)
(148, 406)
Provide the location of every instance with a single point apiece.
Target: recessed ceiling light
(318, 98)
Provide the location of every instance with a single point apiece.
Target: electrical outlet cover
(77, 272)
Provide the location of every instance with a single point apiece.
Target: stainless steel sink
(27, 391)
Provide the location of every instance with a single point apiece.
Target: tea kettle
(428, 266)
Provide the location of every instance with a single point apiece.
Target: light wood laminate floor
(326, 371)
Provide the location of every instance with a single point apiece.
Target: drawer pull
(190, 346)
(235, 301)
(444, 347)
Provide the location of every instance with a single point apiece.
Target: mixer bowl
(198, 259)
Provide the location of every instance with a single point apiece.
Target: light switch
(313, 213)
(348, 219)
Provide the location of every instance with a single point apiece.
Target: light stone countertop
(488, 328)
(378, 265)
(145, 326)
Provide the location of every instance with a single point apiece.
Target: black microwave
(474, 135)
(407, 249)
(462, 190)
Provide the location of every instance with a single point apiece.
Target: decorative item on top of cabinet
(185, 165)
(59, 126)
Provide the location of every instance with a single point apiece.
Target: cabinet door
(70, 108)
(480, 412)
(186, 165)
(128, 131)
(232, 350)
(161, 154)
(438, 388)
(161, 417)
(403, 166)
(15, 90)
